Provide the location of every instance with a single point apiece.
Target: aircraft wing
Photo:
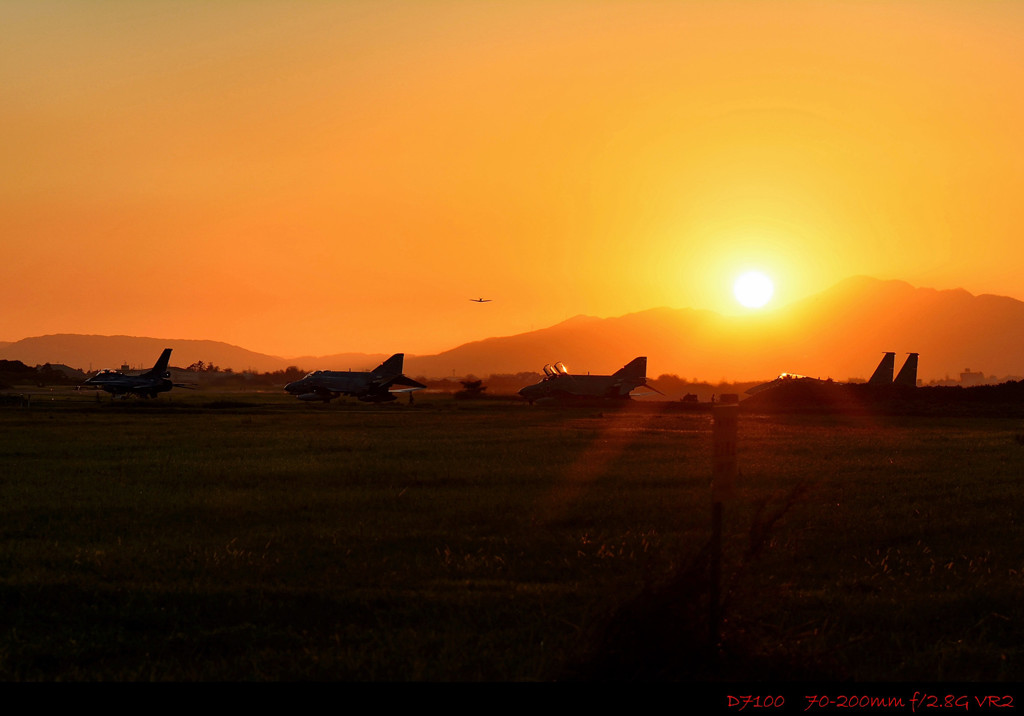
(648, 386)
(402, 380)
(625, 387)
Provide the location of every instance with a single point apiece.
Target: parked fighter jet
(371, 387)
(146, 385)
(882, 375)
(559, 385)
(907, 375)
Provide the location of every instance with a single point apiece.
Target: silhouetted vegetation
(800, 396)
(498, 384)
(471, 389)
(14, 372)
(675, 388)
(211, 377)
(202, 367)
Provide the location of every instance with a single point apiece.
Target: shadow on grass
(664, 631)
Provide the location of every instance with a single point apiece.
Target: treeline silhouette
(14, 372)
(212, 376)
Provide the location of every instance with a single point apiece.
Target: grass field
(253, 537)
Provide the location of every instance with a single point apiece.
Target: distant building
(968, 378)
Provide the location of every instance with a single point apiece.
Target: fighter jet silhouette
(907, 376)
(559, 385)
(146, 385)
(481, 300)
(374, 386)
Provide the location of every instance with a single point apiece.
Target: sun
(753, 289)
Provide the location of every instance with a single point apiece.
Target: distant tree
(14, 372)
(46, 374)
(668, 384)
(293, 373)
(14, 366)
(201, 367)
(510, 383)
(471, 389)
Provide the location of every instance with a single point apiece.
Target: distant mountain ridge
(840, 333)
(94, 352)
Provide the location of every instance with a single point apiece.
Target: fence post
(723, 483)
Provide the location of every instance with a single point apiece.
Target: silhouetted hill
(340, 361)
(952, 330)
(840, 333)
(583, 343)
(83, 351)
(96, 352)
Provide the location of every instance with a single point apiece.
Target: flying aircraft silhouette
(559, 385)
(146, 385)
(481, 300)
(369, 386)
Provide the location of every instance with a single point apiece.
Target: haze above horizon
(318, 178)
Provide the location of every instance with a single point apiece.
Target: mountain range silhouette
(839, 333)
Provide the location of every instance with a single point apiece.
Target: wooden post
(723, 484)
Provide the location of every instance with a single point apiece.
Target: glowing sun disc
(753, 289)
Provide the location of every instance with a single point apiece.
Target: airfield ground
(254, 537)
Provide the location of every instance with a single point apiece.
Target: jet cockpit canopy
(555, 370)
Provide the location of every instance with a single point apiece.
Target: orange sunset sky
(318, 177)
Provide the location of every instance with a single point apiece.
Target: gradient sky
(319, 177)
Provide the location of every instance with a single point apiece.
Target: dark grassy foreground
(249, 538)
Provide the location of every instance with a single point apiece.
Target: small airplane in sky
(481, 300)
(374, 386)
(559, 385)
(146, 385)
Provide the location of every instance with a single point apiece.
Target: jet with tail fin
(375, 386)
(559, 385)
(882, 376)
(154, 381)
(908, 373)
(906, 377)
